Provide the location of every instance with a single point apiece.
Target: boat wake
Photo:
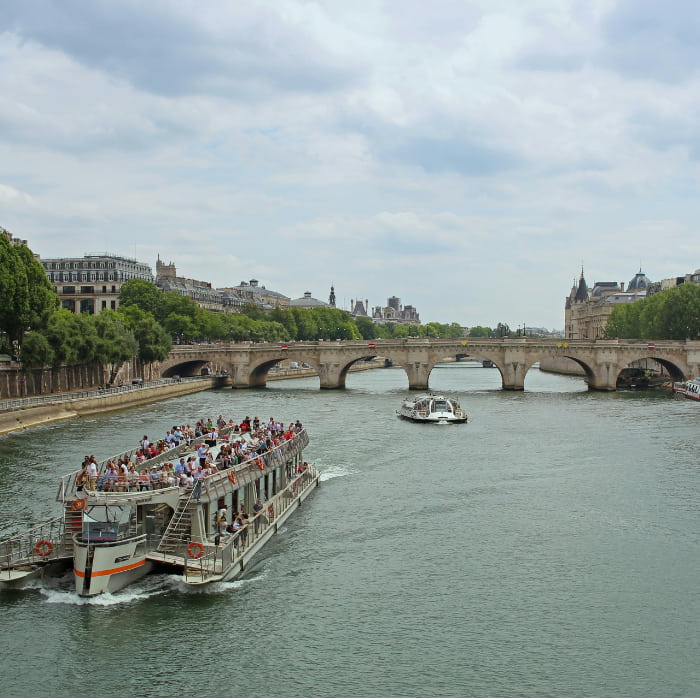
(139, 591)
(335, 471)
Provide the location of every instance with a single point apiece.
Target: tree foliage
(673, 314)
(26, 295)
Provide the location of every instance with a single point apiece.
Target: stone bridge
(247, 364)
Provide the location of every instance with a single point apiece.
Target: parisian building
(586, 310)
(92, 283)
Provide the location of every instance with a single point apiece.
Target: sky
(470, 157)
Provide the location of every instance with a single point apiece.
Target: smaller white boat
(432, 408)
(691, 388)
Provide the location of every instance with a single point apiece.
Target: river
(548, 547)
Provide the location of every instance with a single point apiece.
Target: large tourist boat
(690, 388)
(114, 537)
(432, 408)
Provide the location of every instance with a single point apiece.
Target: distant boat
(691, 388)
(487, 363)
(432, 408)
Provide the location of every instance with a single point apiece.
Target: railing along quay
(12, 404)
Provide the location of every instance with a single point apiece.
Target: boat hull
(107, 568)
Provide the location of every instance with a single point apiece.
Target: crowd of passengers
(248, 439)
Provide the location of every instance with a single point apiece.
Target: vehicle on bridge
(432, 408)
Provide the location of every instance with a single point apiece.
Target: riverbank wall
(23, 418)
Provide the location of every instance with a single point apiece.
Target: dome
(308, 301)
(639, 282)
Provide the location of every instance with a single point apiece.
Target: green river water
(548, 547)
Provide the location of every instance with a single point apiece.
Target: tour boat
(432, 408)
(113, 538)
(691, 388)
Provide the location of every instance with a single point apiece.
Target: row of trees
(673, 314)
(185, 321)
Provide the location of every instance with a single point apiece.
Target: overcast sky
(467, 156)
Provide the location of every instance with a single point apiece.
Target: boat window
(106, 523)
(440, 406)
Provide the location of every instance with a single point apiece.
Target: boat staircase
(177, 533)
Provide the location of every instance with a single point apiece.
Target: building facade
(586, 310)
(92, 283)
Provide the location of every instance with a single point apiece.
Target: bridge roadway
(247, 364)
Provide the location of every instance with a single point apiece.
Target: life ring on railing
(261, 464)
(195, 550)
(78, 504)
(271, 511)
(232, 477)
(43, 548)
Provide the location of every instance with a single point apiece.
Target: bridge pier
(603, 377)
(240, 376)
(513, 376)
(418, 373)
(331, 375)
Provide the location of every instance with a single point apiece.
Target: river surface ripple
(549, 547)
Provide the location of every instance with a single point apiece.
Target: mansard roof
(638, 282)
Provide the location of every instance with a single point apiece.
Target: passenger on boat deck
(180, 467)
(81, 479)
(145, 442)
(154, 476)
(221, 519)
(144, 481)
(257, 509)
(133, 478)
(202, 454)
(92, 471)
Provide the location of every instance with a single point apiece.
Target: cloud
(178, 49)
(649, 40)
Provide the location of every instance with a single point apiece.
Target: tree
(143, 294)
(116, 342)
(36, 350)
(366, 328)
(26, 295)
(153, 341)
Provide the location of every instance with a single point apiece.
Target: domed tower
(639, 283)
(331, 298)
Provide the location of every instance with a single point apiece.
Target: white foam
(137, 591)
(335, 471)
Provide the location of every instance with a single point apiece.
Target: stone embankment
(21, 418)
(27, 417)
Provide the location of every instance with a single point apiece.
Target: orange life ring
(195, 550)
(232, 477)
(43, 548)
(261, 464)
(78, 504)
(271, 511)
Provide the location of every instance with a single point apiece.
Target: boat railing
(40, 544)
(217, 558)
(207, 487)
(68, 486)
